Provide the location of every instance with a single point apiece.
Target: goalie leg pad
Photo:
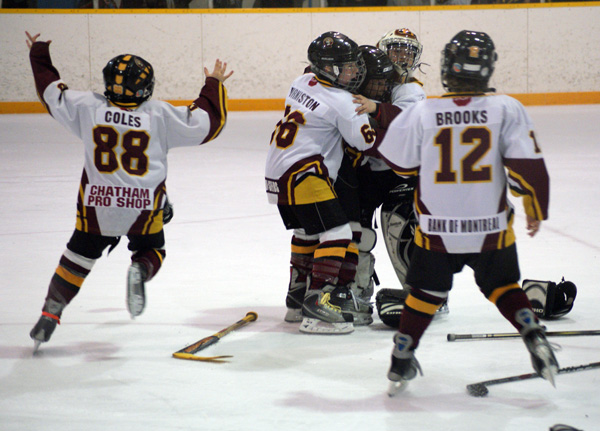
(398, 226)
(368, 239)
(364, 276)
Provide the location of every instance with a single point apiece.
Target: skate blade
(136, 296)
(550, 369)
(36, 346)
(364, 320)
(135, 304)
(549, 372)
(394, 388)
(293, 315)
(316, 326)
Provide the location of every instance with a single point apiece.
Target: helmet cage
(403, 48)
(380, 73)
(379, 89)
(335, 59)
(347, 75)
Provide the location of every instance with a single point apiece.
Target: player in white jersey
(398, 219)
(302, 164)
(126, 138)
(461, 146)
(379, 186)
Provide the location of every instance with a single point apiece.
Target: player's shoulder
(508, 103)
(79, 97)
(319, 96)
(310, 84)
(407, 93)
(157, 106)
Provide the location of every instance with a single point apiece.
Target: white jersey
(309, 137)
(460, 147)
(123, 182)
(403, 95)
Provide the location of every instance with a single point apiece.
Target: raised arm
(44, 73)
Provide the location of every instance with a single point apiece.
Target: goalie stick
(454, 337)
(481, 389)
(189, 351)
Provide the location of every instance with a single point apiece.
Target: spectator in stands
(356, 3)
(277, 3)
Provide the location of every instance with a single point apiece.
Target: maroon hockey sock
(418, 312)
(509, 300)
(151, 260)
(66, 281)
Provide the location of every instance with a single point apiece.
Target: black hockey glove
(390, 303)
(550, 300)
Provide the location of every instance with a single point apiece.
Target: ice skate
(360, 307)
(136, 291)
(542, 357)
(442, 311)
(295, 296)
(404, 365)
(45, 326)
(361, 310)
(323, 311)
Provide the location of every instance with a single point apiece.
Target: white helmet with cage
(403, 48)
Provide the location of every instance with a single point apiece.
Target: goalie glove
(550, 300)
(390, 303)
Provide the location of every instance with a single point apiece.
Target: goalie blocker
(550, 300)
(390, 303)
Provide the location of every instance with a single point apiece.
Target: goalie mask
(128, 80)
(550, 300)
(335, 58)
(403, 48)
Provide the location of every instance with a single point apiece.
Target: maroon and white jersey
(123, 182)
(309, 137)
(466, 149)
(403, 95)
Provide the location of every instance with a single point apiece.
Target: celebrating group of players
(358, 133)
(327, 180)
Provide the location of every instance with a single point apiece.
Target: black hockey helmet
(380, 72)
(468, 62)
(128, 80)
(333, 56)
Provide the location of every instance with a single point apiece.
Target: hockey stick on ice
(189, 351)
(481, 389)
(454, 337)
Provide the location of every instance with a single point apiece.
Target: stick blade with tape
(192, 357)
(189, 351)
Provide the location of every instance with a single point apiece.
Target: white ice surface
(227, 254)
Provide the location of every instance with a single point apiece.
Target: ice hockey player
(302, 165)
(379, 186)
(398, 220)
(126, 137)
(460, 146)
